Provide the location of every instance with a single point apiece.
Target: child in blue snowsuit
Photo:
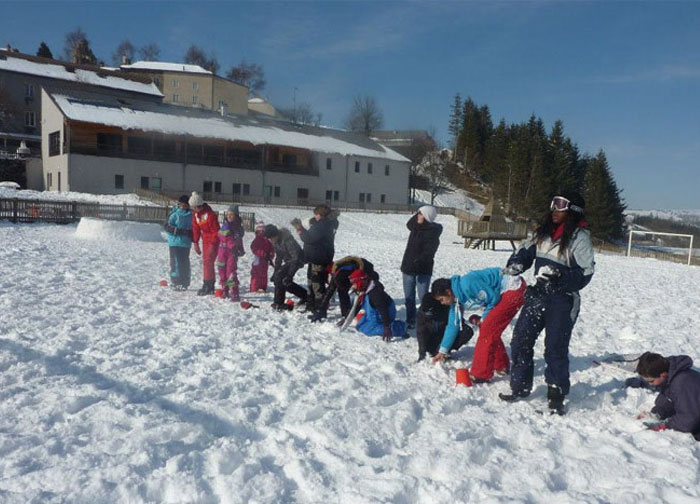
(179, 229)
(380, 310)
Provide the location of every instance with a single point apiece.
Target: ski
(351, 315)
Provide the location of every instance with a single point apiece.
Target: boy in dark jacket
(432, 320)
(318, 251)
(678, 403)
(288, 260)
(417, 263)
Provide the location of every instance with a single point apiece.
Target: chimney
(223, 109)
(126, 60)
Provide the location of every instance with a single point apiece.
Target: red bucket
(463, 377)
(219, 293)
(163, 283)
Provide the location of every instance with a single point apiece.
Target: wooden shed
(491, 226)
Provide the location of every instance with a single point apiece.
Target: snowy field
(113, 389)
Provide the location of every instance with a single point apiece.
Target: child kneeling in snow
(678, 403)
(263, 254)
(380, 311)
(432, 320)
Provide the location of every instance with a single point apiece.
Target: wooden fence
(64, 212)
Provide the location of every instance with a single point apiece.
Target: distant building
(260, 106)
(192, 86)
(405, 142)
(22, 78)
(98, 144)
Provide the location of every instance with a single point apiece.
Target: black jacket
(432, 320)
(287, 250)
(423, 242)
(319, 241)
(679, 400)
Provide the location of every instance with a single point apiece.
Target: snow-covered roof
(12, 63)
(164, 66)
(174, 120)
(256, 100)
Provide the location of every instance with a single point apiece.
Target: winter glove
(296, 223)
(386, 334)
(636, 382)
(475, 320)
(548, 274)
(256, 261)
(512, 269)
(170, 229)
(656, 426)
(197, 250)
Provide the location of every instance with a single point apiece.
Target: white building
(94, 143)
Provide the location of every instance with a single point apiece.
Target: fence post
(124, 213)
(74, 210)
(15, 210)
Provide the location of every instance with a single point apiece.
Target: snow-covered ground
(455, 198)
(116, 199)
(687, 216)
(113, 389)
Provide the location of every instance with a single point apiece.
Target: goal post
(633, 232)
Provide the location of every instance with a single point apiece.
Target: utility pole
(294, 101)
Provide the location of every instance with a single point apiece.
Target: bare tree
(82, 54)
(71, 41)
(124, 50)
(365, 115)
(196, 56)
(434, 169)
(302, 114)
(250, 75)
(150, 52)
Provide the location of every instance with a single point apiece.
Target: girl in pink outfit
(230, 248)
(263, 254)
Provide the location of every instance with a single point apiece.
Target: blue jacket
(679, 400)
(182, 220)
(475, 289)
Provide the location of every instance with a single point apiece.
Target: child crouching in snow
(380, 311)
(678, 403)
(230, 248)
(263, 254)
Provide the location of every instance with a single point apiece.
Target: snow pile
(455, 198)
(116, 390)
(116, 199)
(97, 229)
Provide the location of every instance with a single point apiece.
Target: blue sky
(622, 76)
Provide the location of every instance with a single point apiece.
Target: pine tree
(44, 51)
(455, 123)
(604, 205)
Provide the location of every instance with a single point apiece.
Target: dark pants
(342, 283)
(316, 279)
(180, 266)
(429, 336)
(283, 282)
(555, 313)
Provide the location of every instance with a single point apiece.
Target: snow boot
(318, 315)
(555, 399)
(515, 396)
(207, 288)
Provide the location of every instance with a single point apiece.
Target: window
(336, 195)
(362, 197)
(386, 170)
(236, 189)
(329, 163)
(289, 160)
(176, 83)
(195, 86)
(195, 152)
(54, 143)
(246, 189)
(194, 100)
(302, 193)
(59, 181)
(29, 90)
(332, 195)
(369, 168)
(138, 145)
(30, 119)
(176, 98)
(49, 180)
(217, 187)
(156, 183)
(164, 149)
(329, 195)
(368, 198)
(206, 187)
(144, 182)
(119, 181)
(109, 143)
(278, 192)
(382, 198)
(357, 167)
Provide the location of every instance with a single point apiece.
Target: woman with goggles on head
(562, 252)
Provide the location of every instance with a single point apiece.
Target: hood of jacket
(678, 363)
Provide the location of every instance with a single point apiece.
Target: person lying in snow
(678, 402)
(432, 320)
(340, 281)
(380, 310)
(500, 295)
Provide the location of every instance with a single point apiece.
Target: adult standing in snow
(678, 402)
(263, 254)
(417, 263)
(205, 225)
(500, 295)
(230, 249)
(562, 253)
(179, 229)
(319, 249)
(289, 258)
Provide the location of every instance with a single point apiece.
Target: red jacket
(262, 247)
(206, 225)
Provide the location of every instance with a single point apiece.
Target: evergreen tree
(44, 51)
(455, 123)
(604, 205)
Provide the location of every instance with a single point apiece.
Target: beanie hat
(359, 279)
(233, 209)
(577, 203)
(196, 200)
(260, 226)
(429, 212)
(184, 199)
(271, 231)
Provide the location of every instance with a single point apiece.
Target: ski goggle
(561, 204)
